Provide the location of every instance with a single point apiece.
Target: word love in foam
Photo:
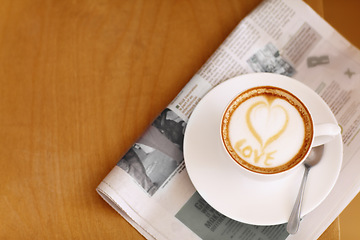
(266, 122)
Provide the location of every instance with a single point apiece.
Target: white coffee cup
(268, 131)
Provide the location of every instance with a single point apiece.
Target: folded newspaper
(150, 186)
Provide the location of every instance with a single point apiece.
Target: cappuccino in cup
(267, 130)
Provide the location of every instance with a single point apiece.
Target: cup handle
(325, 132)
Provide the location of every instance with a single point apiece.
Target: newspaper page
(150, 186)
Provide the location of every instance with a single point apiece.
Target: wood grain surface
(79, 82)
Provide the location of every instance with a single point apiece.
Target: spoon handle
(294, 220)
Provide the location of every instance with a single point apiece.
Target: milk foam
(266, 131)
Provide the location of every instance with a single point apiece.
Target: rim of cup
(255, 171)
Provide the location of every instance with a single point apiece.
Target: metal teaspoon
(313, 158)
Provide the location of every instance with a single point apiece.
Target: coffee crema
(267, 130)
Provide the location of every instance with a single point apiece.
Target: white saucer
(222, 184)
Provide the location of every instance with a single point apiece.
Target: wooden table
(79, 82)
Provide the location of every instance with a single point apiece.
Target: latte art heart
(267, 129)
(267, 121)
